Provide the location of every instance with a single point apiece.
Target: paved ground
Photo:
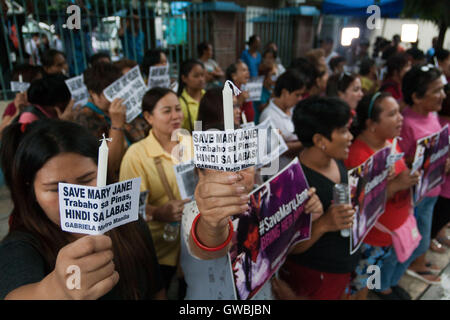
(417, 289)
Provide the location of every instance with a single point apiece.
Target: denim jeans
(392, 270)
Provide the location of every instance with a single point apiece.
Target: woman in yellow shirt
(153, 159)
(191, 86)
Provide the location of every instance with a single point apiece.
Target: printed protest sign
(231, 150)
(143, 203)
(96, 210)
(254, 88)
(430, 157)
(186, 179)
(275, 222)
(17, 86)
(130, 87)
(271, 144)
(78, 90)
(159, 77)
(368, 194)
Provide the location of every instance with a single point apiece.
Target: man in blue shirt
(132, 39)
(252, 57)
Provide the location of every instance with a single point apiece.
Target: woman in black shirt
(320, 267)
(37, 258)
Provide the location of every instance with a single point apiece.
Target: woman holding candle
(100, 116)
(191, 85)
(153, 159)
(238, 73)
(218, 195)
(36, 253)
(378, 122)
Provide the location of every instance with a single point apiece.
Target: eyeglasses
(427, 68)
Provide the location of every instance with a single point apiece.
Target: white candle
(394, 146)
(244, 118)
(102, 168)
(228, 118)
(20, 78)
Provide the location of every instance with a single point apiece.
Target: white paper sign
(271, 144)
(17, 86)
(231, 150)
(254, 89)
(143, 203)
(96, 210)
(78, 90)
(130, 87)
(186, 179)
(159, 77)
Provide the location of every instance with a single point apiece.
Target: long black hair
(185, 68)
(23, 153)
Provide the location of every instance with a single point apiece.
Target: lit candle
(244, 118)
(228, 119)
(102, 168)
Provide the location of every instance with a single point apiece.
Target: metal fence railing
(123, 28)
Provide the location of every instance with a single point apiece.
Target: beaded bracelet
(201, 246)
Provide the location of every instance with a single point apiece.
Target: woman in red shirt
(379, 121)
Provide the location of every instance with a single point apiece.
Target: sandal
(435, 270)
(419, 275)
(444, 240)
(437, 247)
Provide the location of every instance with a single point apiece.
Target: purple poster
(368, 192)
(430, 157)
(274, 222)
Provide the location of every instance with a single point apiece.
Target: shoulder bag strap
(163, 178)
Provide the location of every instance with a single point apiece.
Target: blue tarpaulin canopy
(388, 8)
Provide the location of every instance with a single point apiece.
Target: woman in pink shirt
(441, 215)
(423, 93)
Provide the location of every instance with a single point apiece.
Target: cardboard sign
(186, 179)
(254, 88)
(96, 210)
(17, 86)
(430, 157)
(78, 90)
(159, 77)
(230, 150)
(274, 223)
(130, 87)
(368, 194)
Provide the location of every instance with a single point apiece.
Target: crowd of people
(333, 111)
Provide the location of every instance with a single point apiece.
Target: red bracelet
(201, 246)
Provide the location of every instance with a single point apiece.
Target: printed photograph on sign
(430, 157)
(187, 179)
(274, 223)
(368, 194)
